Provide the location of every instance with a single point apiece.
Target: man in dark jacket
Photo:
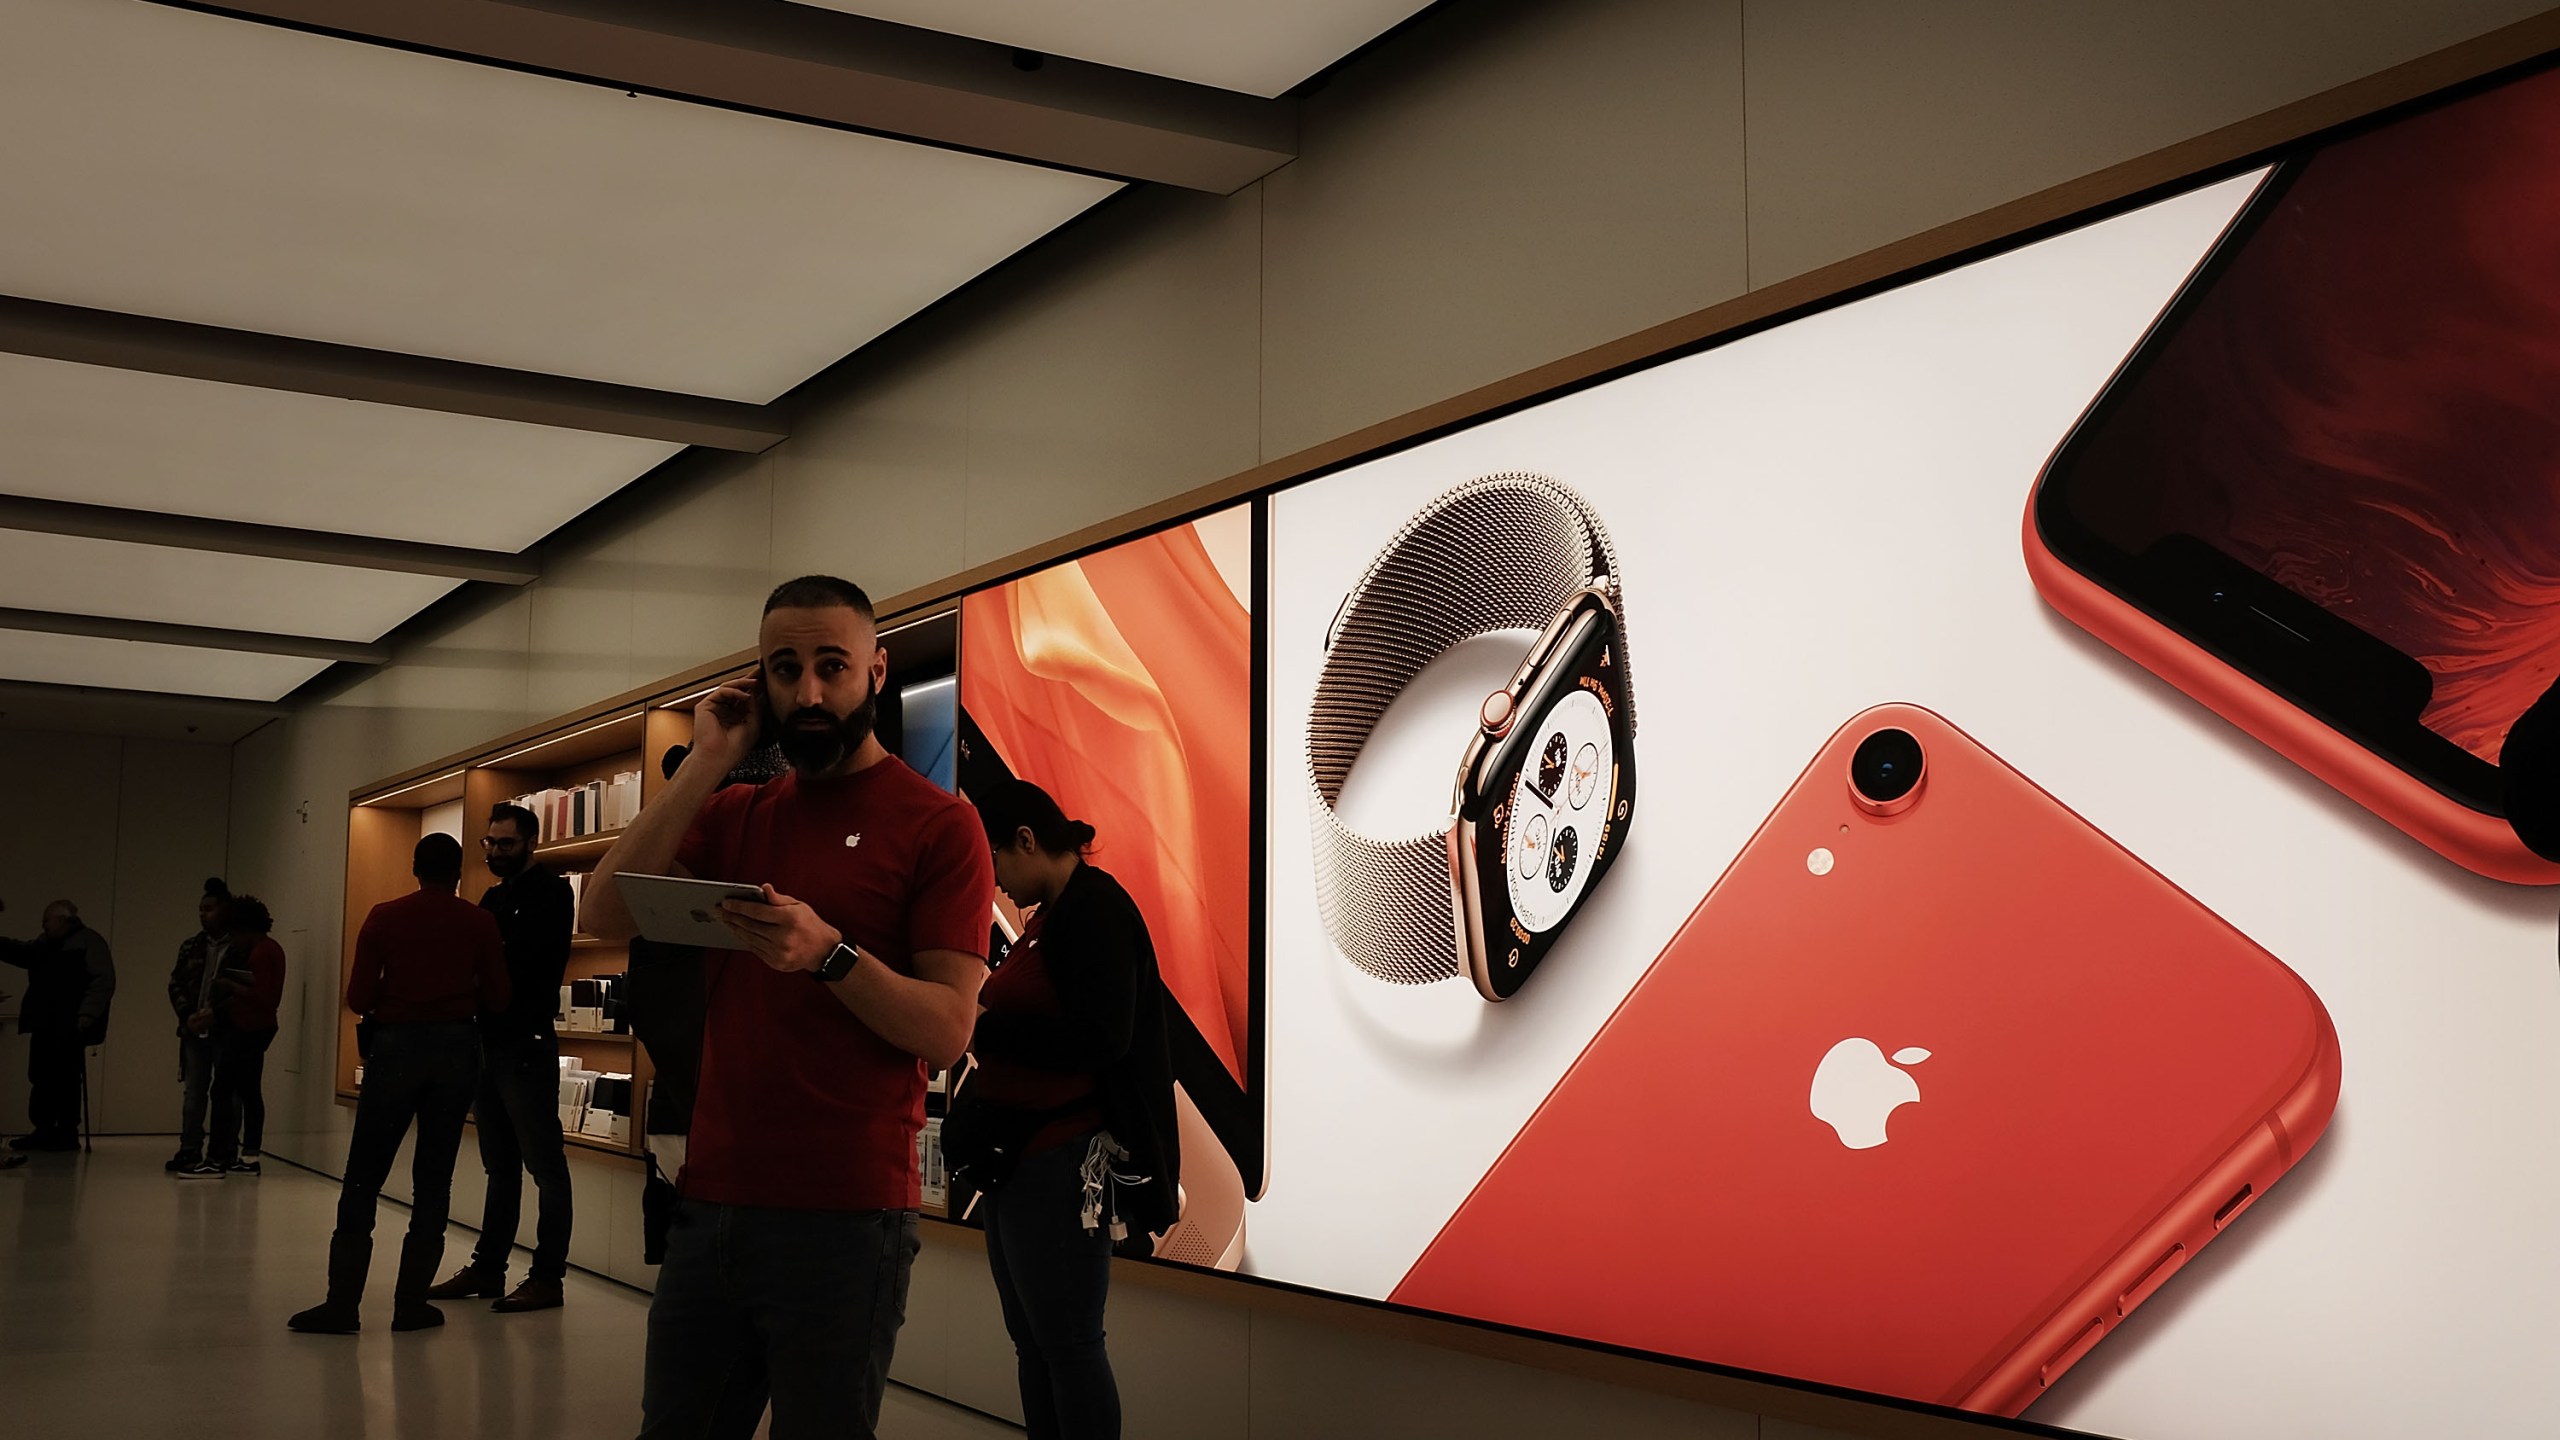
(518, 1103)
(191, 982)
(71, 981)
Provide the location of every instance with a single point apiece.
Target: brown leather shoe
(469, 1283)
(532, 1295)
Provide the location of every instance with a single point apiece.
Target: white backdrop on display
(1821, 518)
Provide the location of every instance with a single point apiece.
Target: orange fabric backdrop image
(1121, 683)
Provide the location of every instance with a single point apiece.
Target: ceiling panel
(125, 713)
(167, 162)
(194, 587)
(230, 452)
(132, 665)
(1260, 47)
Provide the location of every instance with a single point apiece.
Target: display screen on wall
(1122, 683)
(1734, 892)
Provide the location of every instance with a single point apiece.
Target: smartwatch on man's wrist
(1547, 784)
(840, 964)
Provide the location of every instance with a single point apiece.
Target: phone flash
(1819, 862)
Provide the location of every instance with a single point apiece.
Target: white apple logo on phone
(1855, 1088)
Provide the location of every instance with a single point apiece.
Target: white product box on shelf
(937, 1179)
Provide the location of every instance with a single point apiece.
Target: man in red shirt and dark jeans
(427, 965)
(786, 1269)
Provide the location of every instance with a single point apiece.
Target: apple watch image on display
(1546, 787)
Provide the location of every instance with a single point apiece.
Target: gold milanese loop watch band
(1506, 552)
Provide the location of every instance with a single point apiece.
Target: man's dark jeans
(1052, 1277)
(239, 1094)
(195, 1072)
(412, 1072)
(799, 1306)
(518, 1110)
(57, 1071)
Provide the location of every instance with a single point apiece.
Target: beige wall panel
(923, 1357)
(1315, 1380)
(127, 830)
(1507, 183)
(61, 796)
(982, 1374)
(1125, 368)
(697, 566)
(458, 689)
(941, 1284)
(873, 487)
(1182, 1362)
(172, 831)
(1871, 120)
(580, 628)
(289, 844)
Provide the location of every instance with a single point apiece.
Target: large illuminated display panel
(1121, 682)
(1807, 523)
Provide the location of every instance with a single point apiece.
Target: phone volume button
(2069, 1355)
(2152, 1279)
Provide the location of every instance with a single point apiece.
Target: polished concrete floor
(132, 1303)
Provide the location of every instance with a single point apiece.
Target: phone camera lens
(1885, 771)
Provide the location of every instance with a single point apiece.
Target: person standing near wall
(518, 1103)
(71, 985)
(189, 994)
(248, 986)
(428, 966)
(786, 1270)
(1066, 1128)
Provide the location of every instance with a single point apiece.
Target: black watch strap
(840, 964)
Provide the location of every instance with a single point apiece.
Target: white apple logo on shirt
(1855, 1088)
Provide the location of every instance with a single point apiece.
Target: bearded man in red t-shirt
(785, 1277)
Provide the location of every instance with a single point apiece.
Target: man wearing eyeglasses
(518, 1105)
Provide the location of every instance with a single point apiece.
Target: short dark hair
(817, 592)
(437, 860)
(529, 827)
(1010, 806)
(214, 889)
(672, 761)
(247, 912)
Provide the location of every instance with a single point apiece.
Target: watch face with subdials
(1548, 808)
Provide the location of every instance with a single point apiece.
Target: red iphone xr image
(2317, 497)
(1933, 1088)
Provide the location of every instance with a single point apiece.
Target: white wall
(128, 830)
(1502, 185)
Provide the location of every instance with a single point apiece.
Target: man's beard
(508, 867)
(815, 751)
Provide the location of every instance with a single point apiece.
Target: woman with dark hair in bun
(246, 993)
(1066, 1128)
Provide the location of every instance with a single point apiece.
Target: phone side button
(2161, 1269)
(2070, 1354)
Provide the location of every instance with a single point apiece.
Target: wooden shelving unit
(578, 854)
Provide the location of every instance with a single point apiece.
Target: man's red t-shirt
(801, 1106)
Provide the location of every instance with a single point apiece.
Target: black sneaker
(415, 1315)
(246, 1165)
(183, 1160)
(201, 1170)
